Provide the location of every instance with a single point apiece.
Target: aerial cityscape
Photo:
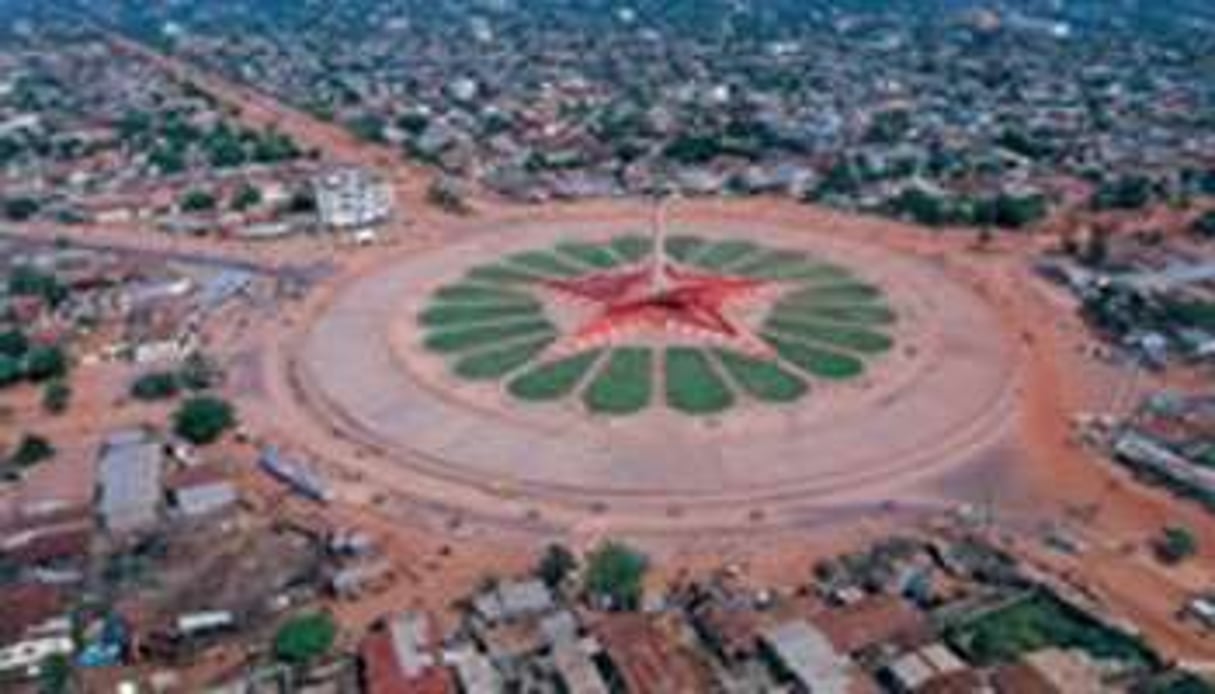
(607, 346)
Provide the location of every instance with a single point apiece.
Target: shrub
(31, 450)
(555, 565)
(1175, 544)
(199, 373)
(56, 396)
(158, 385)
(302, 639)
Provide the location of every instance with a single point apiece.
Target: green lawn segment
(836, 293)
(476, 293)
(592, 256)
(762, 379)
(553, 380)
(459, 315)
(464, 339)
(1039, 621)
(871, 315)
(682, 248)
(692, 384)
(815, 361)
(624, 385)
(545, 263)
(851, 339)
(718, 256)
(768, 262)
(632, 248)
(498, 362)
(503, 274)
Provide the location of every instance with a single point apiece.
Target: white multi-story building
(352, 199)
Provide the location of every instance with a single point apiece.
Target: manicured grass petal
(502, 274)
(844, 337)
(692, 384)
(815, 361)
(449, 315)
(718, 256)
(463, 339)
(762, 379)
(545, 263)
(632, 248)
(842, 292)
(766, 262)
(553, 380)
(496, 363)
(682, 247)
(624, 385)
(476, 293)
(590, 255)
(872, 315)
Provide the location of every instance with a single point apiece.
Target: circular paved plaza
(740, 365)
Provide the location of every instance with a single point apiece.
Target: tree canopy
(202, 420)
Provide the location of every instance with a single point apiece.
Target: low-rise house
(916, 670)
(512, 600)
(648, 655)
(202, 494)
(474, 672)
(578, 671)
(398, 657)
(1050, 671)
(805, 657)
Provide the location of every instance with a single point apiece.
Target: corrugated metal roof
(809, 657)
(129, 477)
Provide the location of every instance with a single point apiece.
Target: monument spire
(658, 258)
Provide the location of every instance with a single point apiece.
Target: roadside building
(352, 199)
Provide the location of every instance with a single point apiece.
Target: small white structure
(27, 656)
(352, 199)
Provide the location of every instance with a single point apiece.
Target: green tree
(246, 197)
(158, 385)
(303, 639)
(28, 281)
(198, 372)
(55, 675)
(202, 420)
(13, 343)
(1204, 225)
(614, 575)
(1128, 192)
(56, 396)
(45, 363)
(20, 209)
(197, 201)
(1175, 544)
(555, 565)
(10, 371)
(31, 450)
(921, 206)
